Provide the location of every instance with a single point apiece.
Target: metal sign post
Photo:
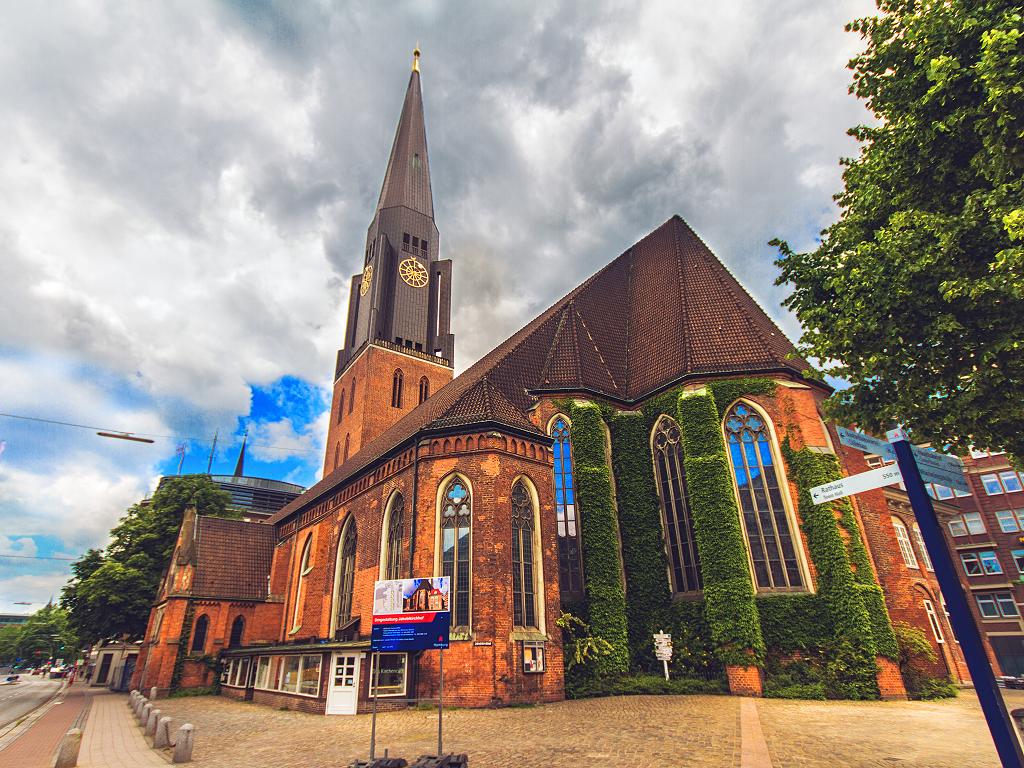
(440, 699)
(375, 661)
(1004, 733)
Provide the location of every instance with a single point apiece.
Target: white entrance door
(343, 694)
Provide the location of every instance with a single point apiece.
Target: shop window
(392, 676)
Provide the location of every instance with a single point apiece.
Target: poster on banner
(411, 614)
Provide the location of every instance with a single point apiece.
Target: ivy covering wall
(840, 628)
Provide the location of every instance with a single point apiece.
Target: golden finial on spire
(416, 58)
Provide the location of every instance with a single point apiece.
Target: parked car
(56, 673)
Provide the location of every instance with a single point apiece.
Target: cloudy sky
(185, 189)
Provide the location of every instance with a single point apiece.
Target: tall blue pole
(1004, 732)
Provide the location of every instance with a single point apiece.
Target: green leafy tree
(46, 634)
(10, 635)
(914, 295)
(110, 592)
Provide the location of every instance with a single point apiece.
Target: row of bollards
(159, 728)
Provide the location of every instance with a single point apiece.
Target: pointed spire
(407, 180)
(240, 466)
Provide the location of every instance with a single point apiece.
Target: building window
(981, 563)
(524, 608)
(769, 537)
(345, 571)
(393, 545)
(967, 523)
(352, 395)
(392, 676)
(904, 541)
(237, 630)
(309, 675)
(304, 569)
(1018, 560)
(570, 563)
(919, 539)
(199, 635)
(1011, 481)
(337, 454)
(991, 484)
(1008, 521)
(456, 509)
(262, 672)
(933, 619)
(344, 455)
(424, 388)
(945, 612)
(994, 605)
(396, 389)
(670, 481)
(341, 405)
(942, 492)
(533, 656)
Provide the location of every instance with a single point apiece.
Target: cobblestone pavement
(690, 731)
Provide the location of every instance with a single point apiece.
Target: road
(21, 698)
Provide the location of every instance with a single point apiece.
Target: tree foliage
(46, 634)
(913, 296)
(110, 592)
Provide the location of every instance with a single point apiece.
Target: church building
(638, 456)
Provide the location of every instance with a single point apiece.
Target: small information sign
(865, 481)
(663, 649)
(866, 443)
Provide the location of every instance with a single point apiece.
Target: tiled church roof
(233, 559)
(663, 311)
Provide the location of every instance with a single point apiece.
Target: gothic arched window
(570, 563)
(344, 456)
(337, 454)
(199, 636)
(524, 607)
(769, 536)
(341, 405)
(424, 388)
(304, 569)
(393, 540)
(680, 542)
(345, 571)
(237, 630)
(396, 389)
(456, 510)
(352, 395)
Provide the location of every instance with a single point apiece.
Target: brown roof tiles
(233, 559)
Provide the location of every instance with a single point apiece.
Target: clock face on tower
(367, 278)
(414, 273)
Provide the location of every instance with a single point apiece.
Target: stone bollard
(154, 718)
(67, 753)
(144, 717)
(183, 744)
(162, 737)
(153, 692)
(139, 704)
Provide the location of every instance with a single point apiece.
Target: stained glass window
(680, 544)
(456, 509)
(524, 609)
(772, 548)
(393, 560)
(570, 564)
(304, 569)
(346, 570)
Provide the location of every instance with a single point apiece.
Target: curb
(12, 731)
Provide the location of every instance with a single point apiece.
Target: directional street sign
(866, 443)
(941, 469)
(865, 481)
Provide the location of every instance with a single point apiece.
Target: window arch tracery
(524, 605)
(456, 524)
(670, 480)
(570, 561)
(396, 388)
(346, 572)
(393, 537)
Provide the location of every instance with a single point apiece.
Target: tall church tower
(398, 346)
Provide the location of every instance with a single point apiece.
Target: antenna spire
(416, 58)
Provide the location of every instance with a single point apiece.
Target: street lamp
(125, 436)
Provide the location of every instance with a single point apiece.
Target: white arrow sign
(866, 443)
(865, 481)
(941, 469)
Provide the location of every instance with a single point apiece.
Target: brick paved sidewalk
(36, 746)
(113, 739)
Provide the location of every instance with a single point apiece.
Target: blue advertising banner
(411, 614)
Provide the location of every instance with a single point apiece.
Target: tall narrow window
(341, 405)
(424, 388)
(393, 555)
(337, 454)
(346, 571)
(934, 621)
(524, 608)
(237, 629)
(352, 395)
(769, 537)
(909, 559)
(344, 456)
(680, 543)
(916, 530)
(456, 510)
(304, 569)
(570, 564)
(396, 389)
(199, 636)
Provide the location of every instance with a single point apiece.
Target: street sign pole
(440, 700)
(1004, 733)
